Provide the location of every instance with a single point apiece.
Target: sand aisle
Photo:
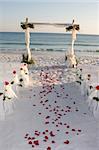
(51, 115)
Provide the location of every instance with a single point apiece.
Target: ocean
(15, 41)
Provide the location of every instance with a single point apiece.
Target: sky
(85, 13)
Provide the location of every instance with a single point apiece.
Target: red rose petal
(46, 108)
(73, 130)
(32, 138)
(65, 124)
(46, 137)
(79, 130)
(77, 110)
(43, 133)
(14, 72)
(45, 140)
(68, 126)
(46, 130)
(30, 142)
(49, 148)
(33, 146)
(47, 117)
(74, 103)
(29, 138)
(37, 134)
(66, 142)
(39, 113)
(53, 142)
(36, 142)
(51, 134)
(27, 134)
(47, 122)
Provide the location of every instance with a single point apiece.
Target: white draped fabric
(27, 41)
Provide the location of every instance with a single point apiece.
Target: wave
(46, 49)
(49, 49)
(50, 44)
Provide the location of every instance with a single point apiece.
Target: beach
(49, 75)
(51, 113)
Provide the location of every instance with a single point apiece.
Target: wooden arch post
(27, 26)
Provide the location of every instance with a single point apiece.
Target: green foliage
(25, 59)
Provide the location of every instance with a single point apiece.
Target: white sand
(54, 103)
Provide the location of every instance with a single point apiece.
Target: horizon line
(48, 32)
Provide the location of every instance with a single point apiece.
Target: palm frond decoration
(25, 26)
(73, 27)
(69, 28)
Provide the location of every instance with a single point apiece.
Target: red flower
(6, 82)
(14, 72)
(97, 87)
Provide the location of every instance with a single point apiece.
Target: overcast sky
(61, 11)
